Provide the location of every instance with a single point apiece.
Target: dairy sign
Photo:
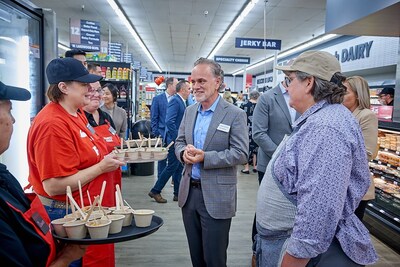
(355, 52)
(85, 35)
(258, 43)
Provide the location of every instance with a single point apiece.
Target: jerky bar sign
(85, 34)
(258, 43)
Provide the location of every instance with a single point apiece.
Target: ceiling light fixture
(290, 51)
(63, 47)
(135, 35)
(233, 27)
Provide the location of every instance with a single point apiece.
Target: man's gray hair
(254, 94)
(215, 68)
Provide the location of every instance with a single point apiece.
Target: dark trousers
(333, 257)
(359, 212)
(174, 167)
(208, 238)
(254, 230)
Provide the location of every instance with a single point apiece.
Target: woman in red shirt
(63, 147)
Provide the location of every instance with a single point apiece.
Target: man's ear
(309, 84)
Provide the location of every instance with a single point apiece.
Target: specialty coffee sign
(258, 43)
(85, 34)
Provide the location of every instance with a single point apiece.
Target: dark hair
(169, 81)
(74, 52)
(92, 66)
(54, 93)
(332, 91)
(215, 68)
(180, 84)
(113, 89)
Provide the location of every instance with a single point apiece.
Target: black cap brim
(13, 93)
(89, 78)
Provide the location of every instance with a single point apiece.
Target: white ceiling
(177, 32)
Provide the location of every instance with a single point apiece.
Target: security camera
(205, 12)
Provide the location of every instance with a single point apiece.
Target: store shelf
(383, 213)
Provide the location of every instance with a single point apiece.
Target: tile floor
(168, 246)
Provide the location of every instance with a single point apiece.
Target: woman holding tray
(63, 148)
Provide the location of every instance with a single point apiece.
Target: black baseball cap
(13, 93)
(387, 91)
(69, 69)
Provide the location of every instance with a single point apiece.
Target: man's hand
(193, 155)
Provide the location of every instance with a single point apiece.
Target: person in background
(63, 149)
(118, 114)
(79, 55)
(176, 108)
(190, 100)
(94, 68)
(211, 142)
(249, 107)
(357, 100)
(24, 240)
(272, 120)
(316, 177)
(227, 96)
(158, 111)
(386, 96)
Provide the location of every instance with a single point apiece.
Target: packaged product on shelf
(119, 73)
(114, 73)
(122, 92)
(125, 74)
(108, 73)
(104, 71)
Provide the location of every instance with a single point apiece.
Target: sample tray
(128, 233)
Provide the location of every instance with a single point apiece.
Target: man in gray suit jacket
(272, 119)
(211, 142)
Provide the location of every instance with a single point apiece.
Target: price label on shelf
(396, 219)
(383, 177)
(379, 162)
(395, 183)
(386, 150)
(389, 165)
(398, 168)
(381, 211)
(397, 152)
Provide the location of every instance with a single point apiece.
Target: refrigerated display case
(382, 216)
(21, 65)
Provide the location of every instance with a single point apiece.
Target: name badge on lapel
(112, 130)
(224, 128)
(91, 129)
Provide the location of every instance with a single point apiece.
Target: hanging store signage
(85, 35)
(127, 57)
(115, 50)
(236, 60)
(258, 43)
(137, 64)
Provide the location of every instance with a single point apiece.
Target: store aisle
(168, 246)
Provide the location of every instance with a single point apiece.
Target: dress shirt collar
(168, 96)
(213, 106)
(283, 89)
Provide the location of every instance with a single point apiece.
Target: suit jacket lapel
(191, 114)
(217, 118)
(282, 103)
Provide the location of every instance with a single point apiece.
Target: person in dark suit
(211, 142)
(272, 119)
(158, 111)
(176, 108)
